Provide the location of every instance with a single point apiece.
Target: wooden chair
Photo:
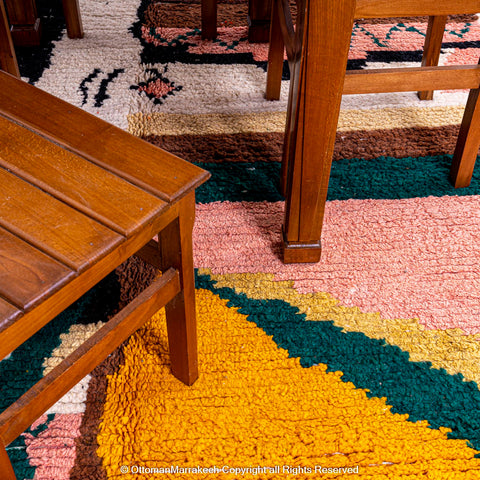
(317, 51)
(8, 59)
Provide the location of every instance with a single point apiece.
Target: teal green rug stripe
(381, 178)
(414, 388)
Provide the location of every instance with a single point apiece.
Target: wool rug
(364, 365)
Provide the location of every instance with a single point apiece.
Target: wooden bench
(78, 198)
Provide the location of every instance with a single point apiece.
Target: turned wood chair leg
(8, 59)
(209, 19)
(328, 27)
(468, 143)
(73, 20)
(432, 47)
(180, 312)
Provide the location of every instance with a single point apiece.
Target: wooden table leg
(71, 11)
(317, 95)
(8, 59)
(432, 47)
(175, 245)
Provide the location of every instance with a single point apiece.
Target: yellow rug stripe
(350, 120)
(449, 349)
(255, 407)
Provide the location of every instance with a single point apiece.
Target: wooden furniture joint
(79, 197)
(317, 51)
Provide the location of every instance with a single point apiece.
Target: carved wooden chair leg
(432, 47)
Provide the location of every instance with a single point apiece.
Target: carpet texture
(365, 365)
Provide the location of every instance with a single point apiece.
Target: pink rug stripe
(53, 451)
(410, 258)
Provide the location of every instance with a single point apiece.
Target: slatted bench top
(75, 190)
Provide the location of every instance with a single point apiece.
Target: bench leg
(175, 245)
(5, 465)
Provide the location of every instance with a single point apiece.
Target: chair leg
(5, 465)
(468, 143)
(209, 19)
(259, 14)
(8, 59)
(275, 56)
(71, 11)
(328, 27)
(432, 47)
(180, 312)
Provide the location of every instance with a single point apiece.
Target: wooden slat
(16, 418)
(411, 79)
(18, 331)
(145, 165)
(50, 225)
(8, 313)
(27, 274)
(413, 8)
(78, 182)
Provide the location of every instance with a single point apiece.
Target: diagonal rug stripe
(237, 397)
(383, 370)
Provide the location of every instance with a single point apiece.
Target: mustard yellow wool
(350, 120)
(449, 349)
(255, 407)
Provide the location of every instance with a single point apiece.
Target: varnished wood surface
(319, 57)
(8, 314)
(432, 47)
(8, 59)
(66, 221)
(384, 80)
(466, 150)
(25, 24)
(79, 183)
(52, 226)
(28, 275)
(413, 8)
(73, 20)
(15, 419)
(156, 171)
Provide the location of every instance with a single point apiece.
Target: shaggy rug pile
(365, 365)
